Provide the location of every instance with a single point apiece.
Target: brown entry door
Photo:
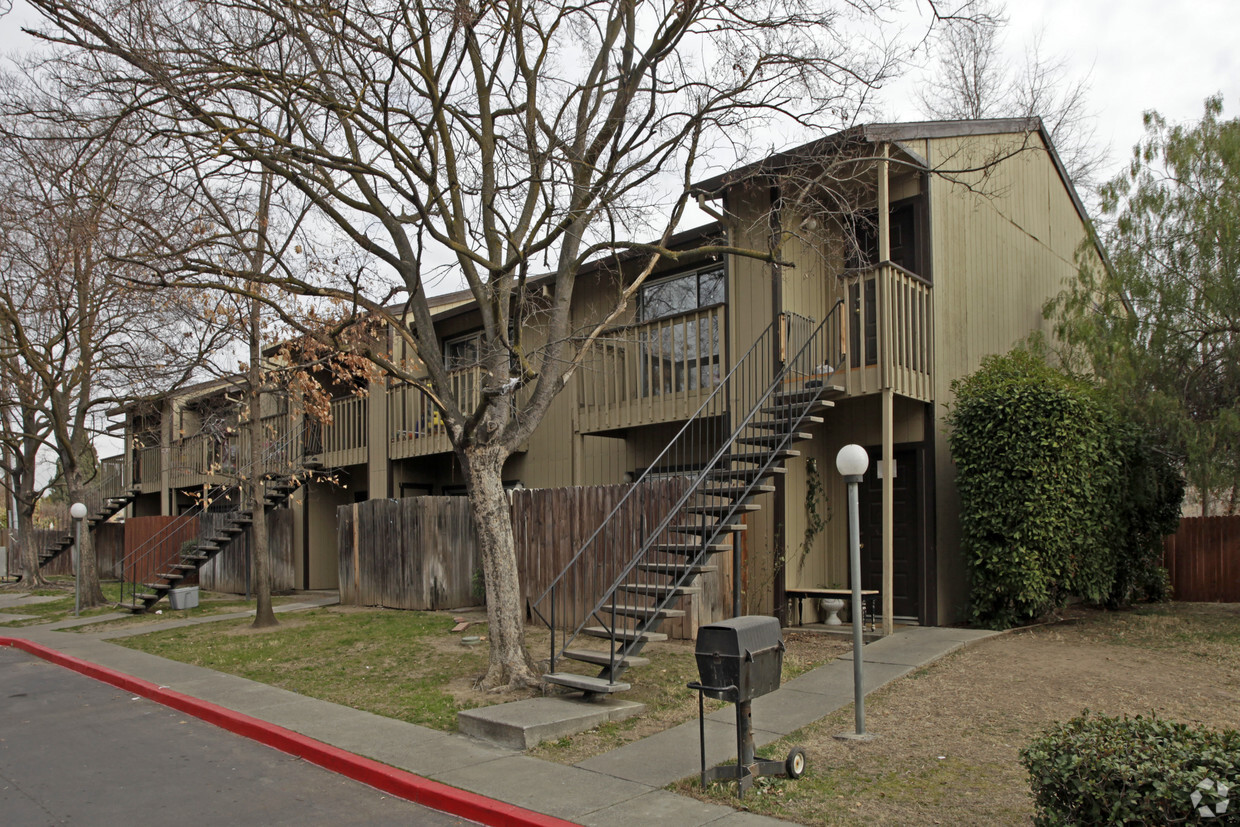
(906, 575)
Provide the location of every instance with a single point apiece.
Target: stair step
(782, 424)
(723, 490)
(722, 508)
(243, 518)
(171, 576)
(602, 659)
(675, 569)
(659, 592)
(584, 683)
(136, 608)
(773, 439)
(207, 546)
(787, 410)
(644, 612)
(198, 558)
(708, 529)
(185, 566)
(761, 457)
(745, 473)
(688, 549)
(149, 597)
(156, 587)
(624, 634)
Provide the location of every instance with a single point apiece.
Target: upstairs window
(463, 351)
(681, 294)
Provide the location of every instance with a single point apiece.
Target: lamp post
(78, 512)
(851, 462)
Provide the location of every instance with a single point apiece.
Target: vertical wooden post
(884, 207)
(889, 472)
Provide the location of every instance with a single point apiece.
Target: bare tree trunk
(510, 664)
(264, 614)
(92, 592)
(26, 550)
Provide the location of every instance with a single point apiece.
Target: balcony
(416, 425)
(344, 440)
(659, 371)
(890, 332)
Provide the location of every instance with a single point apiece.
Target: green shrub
(1058, 496)
(1036, 474)
(1101, 770)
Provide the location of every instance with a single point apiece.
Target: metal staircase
(689, 505)
(151, 571)
(110, 492)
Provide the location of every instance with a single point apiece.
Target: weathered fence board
(422, 553)
(109, 550)
(153, 544)
(229, 570)
(1203, 559)
(412, 553)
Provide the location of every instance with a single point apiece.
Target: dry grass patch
(950, 733)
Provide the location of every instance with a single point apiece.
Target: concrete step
(643, 612)
(790, 410)
(624, 634)
(773, 439)
(597, 686)
(659, 592)
(524, 724)
(782, 424)
(690, 549)
(720, 509)
(603, 658)
(718, 489)
(675, 569)
(708, 529)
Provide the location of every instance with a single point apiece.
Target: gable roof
(893, 133)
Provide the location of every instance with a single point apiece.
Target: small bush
(1101, 770)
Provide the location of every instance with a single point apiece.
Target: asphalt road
(76, 751)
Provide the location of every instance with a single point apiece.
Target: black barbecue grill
(739, 660)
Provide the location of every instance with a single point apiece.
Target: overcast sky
(1139, 55)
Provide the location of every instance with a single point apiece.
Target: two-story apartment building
(935, 244)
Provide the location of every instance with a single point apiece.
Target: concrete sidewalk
(622, 787)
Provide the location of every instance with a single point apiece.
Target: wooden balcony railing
(416, 425)
(659, 371)
(214, 459)
(148, 469)
(890, 332)
(344, 440)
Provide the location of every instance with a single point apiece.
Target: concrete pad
(13, 601)
(565, 792)
(658, 807)
(523, 724)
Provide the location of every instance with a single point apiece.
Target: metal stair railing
(111, 482)
(281, 457)
(643, 545)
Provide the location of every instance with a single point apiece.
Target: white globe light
(852, 460)
(77, 511)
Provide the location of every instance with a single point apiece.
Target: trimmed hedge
(1101, 770)
(1058, 496)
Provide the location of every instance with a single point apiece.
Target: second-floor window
(462, 351)
(683, 354)
(680, 294)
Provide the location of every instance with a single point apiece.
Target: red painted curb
(391, 780)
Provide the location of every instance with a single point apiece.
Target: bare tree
(489, 140)
(74, 326)
(971, 79)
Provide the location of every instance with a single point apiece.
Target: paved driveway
(76, 751)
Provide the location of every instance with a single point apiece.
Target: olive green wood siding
(1003, 246)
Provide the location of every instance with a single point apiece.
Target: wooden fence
(1203, 559)
(422, 552)
(412, 553)
(109, 550)
(229, 570)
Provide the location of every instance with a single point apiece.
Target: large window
(680, 354)
(463, 351)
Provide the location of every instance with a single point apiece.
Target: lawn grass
(52, 611)
(399, 664)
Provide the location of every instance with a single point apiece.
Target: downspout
(779, 548)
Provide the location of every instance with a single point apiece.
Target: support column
(884, 207)
(377, 463)
(888, 468)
